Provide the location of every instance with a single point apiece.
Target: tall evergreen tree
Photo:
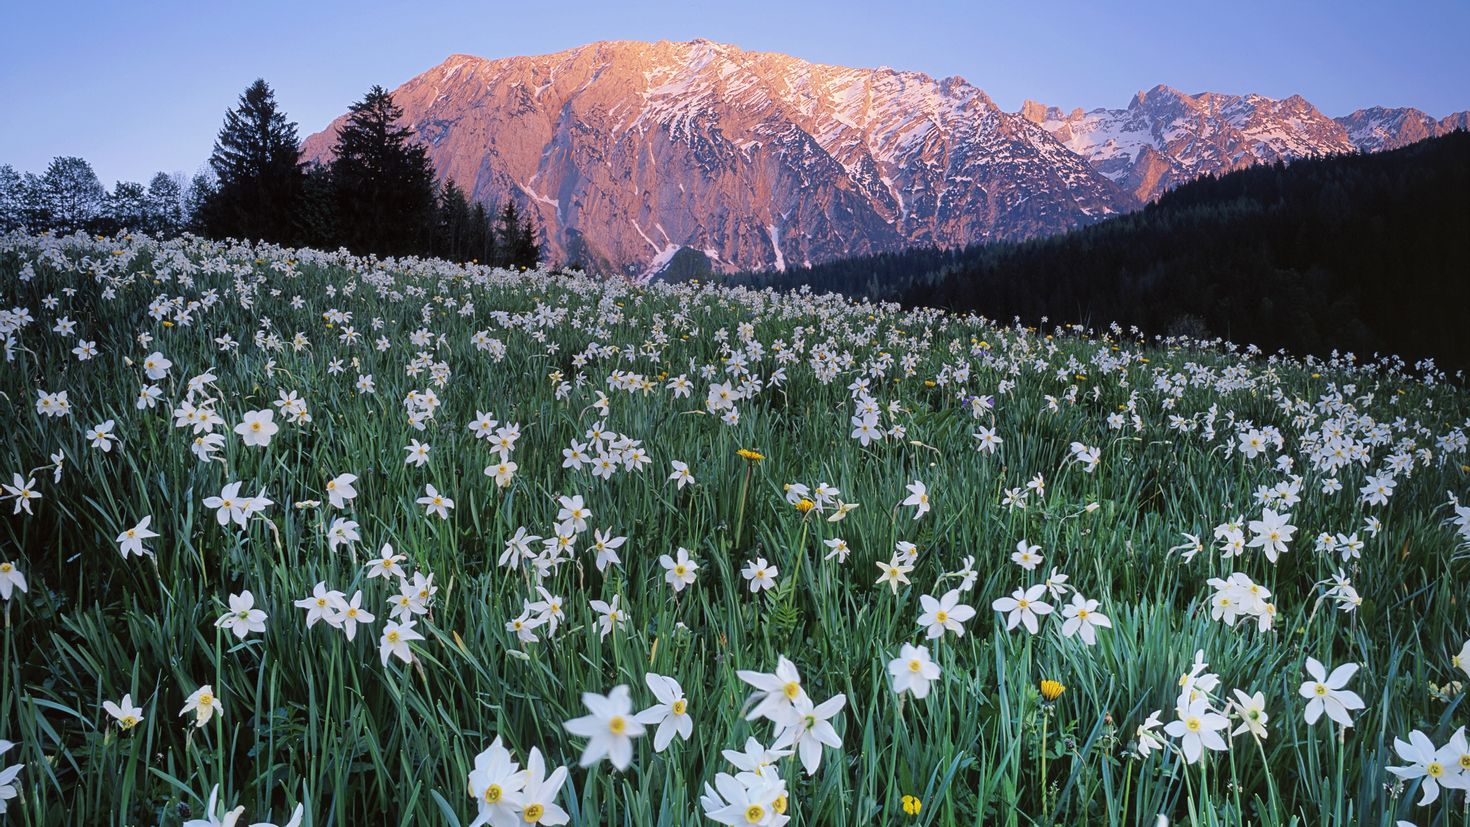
(481, 243)
(316, 219)
(165, 205)
(196, 202)
(383, 181)
(71, 195)
(126, 208)
(12, 199)
(257, 161)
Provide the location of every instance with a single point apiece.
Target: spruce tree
(383, 181)
(165, 205)
(71, 195)
(126, 208)
(257, 161)
(12, 199)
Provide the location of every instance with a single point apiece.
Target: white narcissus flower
(156, 365)
(1197, 728)
(242, 618)
(323, 604)
(350, 615)
(395, 640)
(944, 614)
(670, 714)
(204, 704)
(918, 497)
(1327, 693)
(340, 490)
(1438, 767)
(102, 436)
(760, 574)
(1083, 619)
(913, 671)
(1271, 533)
(1024, 606)
(1461, 659)
(258, 427)
(681, 475)
(808, 728)
(131, 541)
(23, 490)
(679, 571)
(1253, 717)
(538, 797)
(496, 783)
(775, 691)
(435, 503)
(894, 572)
(126, 715)
(610, 727)
(11, 579)
(1027, 556)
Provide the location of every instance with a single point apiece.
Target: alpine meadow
(764, 415)
(344, 540)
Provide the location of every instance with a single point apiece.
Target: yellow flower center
(791, 690)
(680, 569)
(393, 637)
(754, 813)
(128, 722)
(779, 805)
(1434, 769)
(1193, 724)
(206, 699)
(680, 706)
(1320, 689)
(533, 813)
(941, 616)
(493, 793)
(915, 665)
(1022, 603)
(255, 426)
(617, 724)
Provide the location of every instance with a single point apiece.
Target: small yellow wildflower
(912, 805)
(753, 456)
(1051, 690)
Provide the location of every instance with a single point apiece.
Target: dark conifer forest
(1361, 253)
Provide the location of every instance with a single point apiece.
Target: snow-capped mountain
(630, 152)
(1166, 137)
(1376, 129)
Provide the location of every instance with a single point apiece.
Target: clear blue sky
(141, 87)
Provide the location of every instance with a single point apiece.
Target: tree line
(377, 195)
(1367, 253)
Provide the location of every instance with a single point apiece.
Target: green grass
(311, 717)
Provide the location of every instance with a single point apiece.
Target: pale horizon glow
(137, 90)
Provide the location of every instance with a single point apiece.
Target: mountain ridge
(628, 152)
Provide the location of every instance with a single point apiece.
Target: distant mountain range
(636, 155)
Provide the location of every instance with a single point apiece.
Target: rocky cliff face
(629, 153)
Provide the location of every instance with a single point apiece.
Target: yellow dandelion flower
(1051, 690)
(753, 456)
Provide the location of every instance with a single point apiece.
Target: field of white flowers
(296, 537)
